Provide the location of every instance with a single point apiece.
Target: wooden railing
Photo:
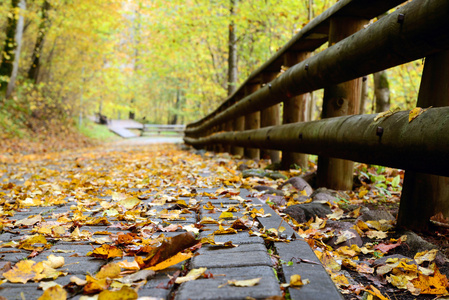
(159, 128)
(418, 29)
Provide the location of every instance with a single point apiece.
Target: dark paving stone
(231, 259)
(211, 250)
(275, 221)
(208, 288)
(19, 291)
(320, 286)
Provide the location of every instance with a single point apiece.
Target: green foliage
(96, 131)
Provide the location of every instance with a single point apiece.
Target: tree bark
(9, 48)
(232, 54)
(364, 95)
(424, 195)
(33, 72)
(18, 41)
(339, 100)
(381, 91)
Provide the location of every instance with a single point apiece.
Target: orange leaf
(106, 251)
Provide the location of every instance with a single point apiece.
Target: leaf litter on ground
(125, 188)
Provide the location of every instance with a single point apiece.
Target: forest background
(165, 61)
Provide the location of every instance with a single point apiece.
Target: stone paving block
(155, 293)
(211, 250)
(275, 221)
(231, 259)
(238, 238)
(13, 254)
(19, 291)
(208, 288)
(320, 286)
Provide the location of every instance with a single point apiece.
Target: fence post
(252, 121)
(339, 100)
(293, 111)
(229, 126)
(239, 125)
(424, 195)
(270, 117)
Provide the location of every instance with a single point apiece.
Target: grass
(96, 131)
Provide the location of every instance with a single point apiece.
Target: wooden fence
(162, 128)
(248, 121)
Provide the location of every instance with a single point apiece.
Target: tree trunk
(424, 195)
(232, 54)
(33, 72)
(18, 42)
(8, 52)
(382, 91)
(339, 100)
(364, 97)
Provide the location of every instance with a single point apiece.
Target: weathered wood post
(238, 125)
(270, 117)
(229, 126)
(293, 111)
(252, 121)
(424, 195)
(339, 100)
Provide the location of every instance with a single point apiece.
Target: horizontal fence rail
(424, 30)
(417, 29)
(392, 141)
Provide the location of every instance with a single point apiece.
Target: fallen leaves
(26, 270)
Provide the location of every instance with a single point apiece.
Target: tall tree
(381, 91)
(18, 41)
(33, 72)
(9, 48)
(232, 54)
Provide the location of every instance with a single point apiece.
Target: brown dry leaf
(106, 251)
(179, 257)
(29, 221)
(192, 275)
(170, 247)
(78, 281)
(375, 234)
(54, 293)
(129, 265)
(125, 293)
(208, 220)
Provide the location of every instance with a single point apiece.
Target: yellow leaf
(111, 270)
(30, 243)
(95, 285)
(387, 113)
(226, 215)
(377, 293)
(133, 265)
(208, 220)
(295, 280)
(374, 234)
(55, 261)
(336, 215)
(29, 221)
(78, 281)
(54, 293)
(429, 255)
(125, 293)
(435, 285)
(245, 283)
(416, 112)
(192, 275)
(171, 261)
(21, 272)
(208, 206)
(221, 230)
(130, 202)
(106, 251)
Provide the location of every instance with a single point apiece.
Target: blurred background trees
(163, 60)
